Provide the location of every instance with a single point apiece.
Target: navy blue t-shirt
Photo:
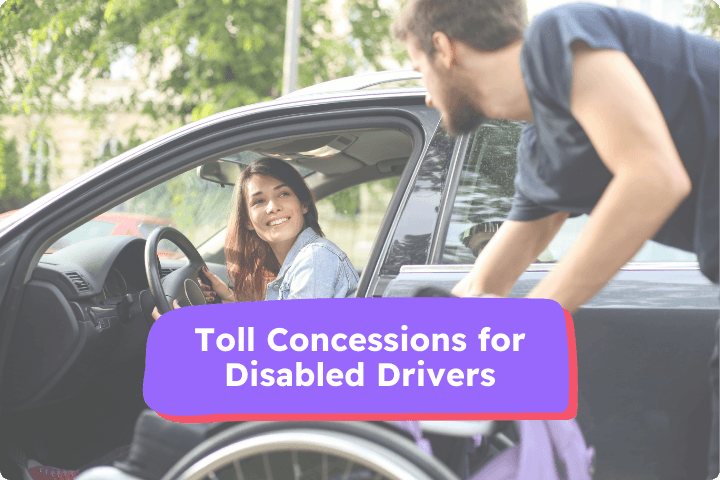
(558, 168)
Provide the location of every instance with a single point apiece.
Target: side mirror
(220, 171)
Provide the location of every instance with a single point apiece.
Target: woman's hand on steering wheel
(155, 314)
(218, 288)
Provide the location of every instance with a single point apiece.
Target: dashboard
(115, 285)
(87, 307)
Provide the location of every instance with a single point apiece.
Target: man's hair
(483, 24)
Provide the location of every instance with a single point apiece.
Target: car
(410, 204)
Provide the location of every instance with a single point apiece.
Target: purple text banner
(364, 359)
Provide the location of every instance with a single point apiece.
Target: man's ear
(445, 51)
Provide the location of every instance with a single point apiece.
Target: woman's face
(275, 212)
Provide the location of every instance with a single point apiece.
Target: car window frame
(445, 217)
(380, 280)
(446, 204)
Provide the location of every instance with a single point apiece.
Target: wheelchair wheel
(308, 451)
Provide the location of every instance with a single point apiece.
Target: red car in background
(111, 223)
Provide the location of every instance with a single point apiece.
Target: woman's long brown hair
(251, 262)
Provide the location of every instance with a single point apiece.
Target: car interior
(73, 382)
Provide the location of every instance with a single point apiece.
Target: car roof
(359, 82)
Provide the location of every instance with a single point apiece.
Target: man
(623, 116)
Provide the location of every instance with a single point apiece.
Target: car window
(93, 229)
(351, 218)
(484, 197)
(146, 228)
(196, 207)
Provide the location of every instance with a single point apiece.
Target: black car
(410, 204)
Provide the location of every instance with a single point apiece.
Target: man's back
(558, 167)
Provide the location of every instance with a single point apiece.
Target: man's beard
(462, 116)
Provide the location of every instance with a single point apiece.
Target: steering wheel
(182, 283)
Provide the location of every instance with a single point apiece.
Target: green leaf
(198, 56)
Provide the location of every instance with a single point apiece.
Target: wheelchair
(306, 450)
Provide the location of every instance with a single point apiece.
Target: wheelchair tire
(329, 451)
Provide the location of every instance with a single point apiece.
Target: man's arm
(620, 116)
(508, 254)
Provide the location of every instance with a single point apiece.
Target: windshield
(95, 228)
(196, 207)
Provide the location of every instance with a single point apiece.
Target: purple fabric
(571, 448)
(543, 444)
(537, 455)
(413, 428)
(502, 467)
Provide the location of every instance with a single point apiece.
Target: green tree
(196, 57)
(13, 194)
(346, 202)
(708, 14)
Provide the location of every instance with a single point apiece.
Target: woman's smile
(279, 221)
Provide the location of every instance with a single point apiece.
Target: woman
(275, 248)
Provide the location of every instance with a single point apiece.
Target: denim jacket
(314, 268)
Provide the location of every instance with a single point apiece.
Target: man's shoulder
(573, 20)
(568, 11)
(582, 10)
(547, 57)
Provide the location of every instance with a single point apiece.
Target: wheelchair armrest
(459, 428)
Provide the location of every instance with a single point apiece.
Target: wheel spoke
(268, 470)
(297, 471)
(348, 470)
(238, 470)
